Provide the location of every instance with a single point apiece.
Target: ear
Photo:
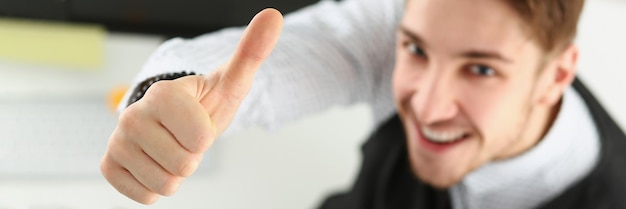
(561, 74)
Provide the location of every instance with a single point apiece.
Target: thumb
(255, 45)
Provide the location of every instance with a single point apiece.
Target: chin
(436, 177)
(435, 160)
(438, 182)
(440, 167)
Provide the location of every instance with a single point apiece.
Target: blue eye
(482, 70)
(416, 50)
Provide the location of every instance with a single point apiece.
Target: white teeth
(441, 137)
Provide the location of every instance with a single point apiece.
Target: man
(483, 120)
(479, 88)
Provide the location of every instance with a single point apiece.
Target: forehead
(453, 25)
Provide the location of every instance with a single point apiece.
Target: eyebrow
(412, 36)
(475, 54)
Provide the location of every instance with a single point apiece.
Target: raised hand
(161, 138)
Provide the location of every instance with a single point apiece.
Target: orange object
(115, 97)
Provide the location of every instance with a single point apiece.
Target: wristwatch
(141, 89)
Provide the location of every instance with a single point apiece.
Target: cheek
(401, 86)
(496, 114)
(405, 79)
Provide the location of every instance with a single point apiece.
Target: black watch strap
(141, 89)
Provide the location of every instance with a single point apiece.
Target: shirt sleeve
(330, 53)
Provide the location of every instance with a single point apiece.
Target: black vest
(386, 181)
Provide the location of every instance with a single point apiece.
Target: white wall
(602, 39)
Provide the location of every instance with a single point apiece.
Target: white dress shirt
(331, 53)
(342, 53)
(566, 154)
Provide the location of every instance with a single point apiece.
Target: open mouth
(439, 140)
(443, 137)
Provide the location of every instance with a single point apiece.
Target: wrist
(142, 87)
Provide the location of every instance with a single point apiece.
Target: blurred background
(62, 62)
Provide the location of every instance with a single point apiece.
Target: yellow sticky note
(78, 46)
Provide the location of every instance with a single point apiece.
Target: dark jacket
(385, 180)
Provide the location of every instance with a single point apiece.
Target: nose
(436, 98)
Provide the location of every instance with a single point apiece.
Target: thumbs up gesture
(161, 138)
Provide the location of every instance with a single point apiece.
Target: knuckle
(156, 95)
(113, 173)
(116, 152)
(131, 128)
(129, 119)
(253, 56)
(127, 191)
(143, 197)
(196, 139)
(201, 143)
(106, 168)
(188, 167)
(110, 162)
(159, 89)
(149, 199)
(169, 186)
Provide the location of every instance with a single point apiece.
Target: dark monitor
(185, 18)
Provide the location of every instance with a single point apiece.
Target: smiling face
(471, 86)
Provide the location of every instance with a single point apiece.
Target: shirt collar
(567, 153)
